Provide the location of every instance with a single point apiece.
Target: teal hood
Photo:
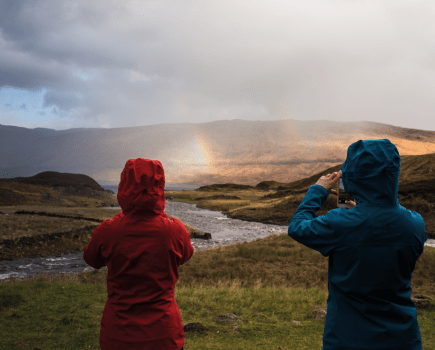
(371, 173)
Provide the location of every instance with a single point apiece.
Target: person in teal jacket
(372, 249)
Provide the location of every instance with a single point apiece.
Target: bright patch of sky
(25, 108)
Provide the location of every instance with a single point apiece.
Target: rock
(200, 234)
(423, 302)
(317, 312)
(230, 318)
(235, 329)
(257, 315)
(228, 315)
(193, 327)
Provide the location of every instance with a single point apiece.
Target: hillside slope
(275, 203)
(236, 151)
(57, 189)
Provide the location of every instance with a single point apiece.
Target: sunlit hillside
(237, 151)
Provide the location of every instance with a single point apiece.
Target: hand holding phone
(344, 200)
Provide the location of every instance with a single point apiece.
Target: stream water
(224, 231)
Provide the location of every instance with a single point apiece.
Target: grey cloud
(145, 62)
(65, 100)
(23, 106)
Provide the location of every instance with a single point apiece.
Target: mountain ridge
(237, 151)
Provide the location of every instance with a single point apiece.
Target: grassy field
(275, 286)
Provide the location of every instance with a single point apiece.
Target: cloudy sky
(95, 63)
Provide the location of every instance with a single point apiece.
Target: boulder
(193, 327)
(200, 234)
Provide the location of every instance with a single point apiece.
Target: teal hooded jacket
(372, 251)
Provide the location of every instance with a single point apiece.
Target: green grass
(275, 277)
(67, 316)
(185, 200)
(59, 315)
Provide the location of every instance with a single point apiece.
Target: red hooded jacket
(142, 249)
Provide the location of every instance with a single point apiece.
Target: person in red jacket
(142, 249)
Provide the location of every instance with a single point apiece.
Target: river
(224, 231)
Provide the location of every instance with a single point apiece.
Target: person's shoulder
(341, 218)
(175, 223)
(109, 223)
(412, 221)
(414, 217)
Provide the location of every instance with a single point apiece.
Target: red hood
(142, 187)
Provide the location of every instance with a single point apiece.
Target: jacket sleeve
(186, 244)
(92, 253)
(318, 233)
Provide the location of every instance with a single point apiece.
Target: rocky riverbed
(224, 231)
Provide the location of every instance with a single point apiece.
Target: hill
(274, 202)
(51, 187)
(229, 151)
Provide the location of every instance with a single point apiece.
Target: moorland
(266, 294)
(52, 213)
(274, 202)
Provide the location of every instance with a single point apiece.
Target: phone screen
(343, 196)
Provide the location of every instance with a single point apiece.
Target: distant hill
(51, 187)
(229, 151)
(54, 178)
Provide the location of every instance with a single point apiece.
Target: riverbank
(55, 257)
(31, 231)
(62, 252)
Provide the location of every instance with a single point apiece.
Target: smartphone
(343, 196)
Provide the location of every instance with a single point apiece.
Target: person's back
(372, 252)
(142, 249)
